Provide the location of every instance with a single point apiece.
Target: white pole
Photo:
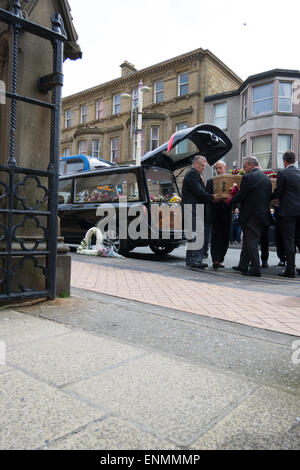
(139, 125)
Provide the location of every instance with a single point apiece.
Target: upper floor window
(83, 114)
(68, 118)
(183, 146)
(262, 150)
(96, 148)
(158, 91)
(245, 105)
(66, 152)
(284, 143)
(154, 138)
(82, 147)
(244, 149)
(220, 115)
(262, 99)
(183, 84)
(285, 97)
(116, 104)
(99, 109)
(114, 149)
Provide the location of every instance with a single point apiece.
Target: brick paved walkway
(269, 311)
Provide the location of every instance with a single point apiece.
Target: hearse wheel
(111, 240)
(162, 250)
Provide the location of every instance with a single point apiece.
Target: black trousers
(252, 231)
(264, 245)
(220, 233)
(290, 232)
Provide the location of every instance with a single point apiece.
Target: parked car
(150, 189)
(77, 163)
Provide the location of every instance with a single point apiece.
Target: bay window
(262, 150)
(285, 97)
(284, 143)
(262, 99)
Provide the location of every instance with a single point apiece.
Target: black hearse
(150, 188)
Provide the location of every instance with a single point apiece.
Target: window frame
(79, 147)
(68, 119)
(221, 116)
(270, 151)
(262, 99)
(151, 137)
(99, 148)
(116, 108)
(159, 92)
(83, 114)
(112, 149)
(180, 85)
(99, 109)
(285, 97)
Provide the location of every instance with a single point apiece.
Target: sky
(248, 36)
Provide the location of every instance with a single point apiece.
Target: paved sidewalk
(202, 295)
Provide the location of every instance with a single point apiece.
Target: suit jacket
(288, 191)
(254, 197)
(193, 189)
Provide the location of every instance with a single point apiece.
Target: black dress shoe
(237, 268)
(197, 265)
(281, 263)
(251, 273)
(287, 274)
(264, 265)
(298, 271)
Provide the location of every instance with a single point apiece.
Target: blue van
(77, 163)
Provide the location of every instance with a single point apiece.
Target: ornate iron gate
(15, 211)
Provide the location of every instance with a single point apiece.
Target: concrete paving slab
(65, 358)
(169, 397)
(17, 328)
(266, 420)
(32, 412)
(111, 434)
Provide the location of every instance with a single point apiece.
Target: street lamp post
(136, 127)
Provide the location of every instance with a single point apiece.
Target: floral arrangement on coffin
(160, 199)
(271, 173)
(237, 171)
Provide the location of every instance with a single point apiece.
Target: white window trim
(245, 105)
(266, 98)
(182, 84)
(116, 104)
(68, 119)
(83, 114)
(221, 116)
(98, 147)
(158, 92)
(112, 149)
(99, 109)
(86, 147)
(151, 136)
(286, 97)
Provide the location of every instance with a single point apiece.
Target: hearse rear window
(159, 182)
(107, 188)
(65, 191)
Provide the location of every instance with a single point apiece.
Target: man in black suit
(220, 221)
(193, 194)
(288, 192)
(254, 196)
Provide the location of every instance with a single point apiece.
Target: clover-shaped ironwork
(39, 186)
(21, 240)
(20, 265)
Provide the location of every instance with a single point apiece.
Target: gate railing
(16, 250)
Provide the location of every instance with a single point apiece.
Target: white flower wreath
(85, 247)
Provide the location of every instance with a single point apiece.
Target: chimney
(127, 69)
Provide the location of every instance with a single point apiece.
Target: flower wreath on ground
(99, 249)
